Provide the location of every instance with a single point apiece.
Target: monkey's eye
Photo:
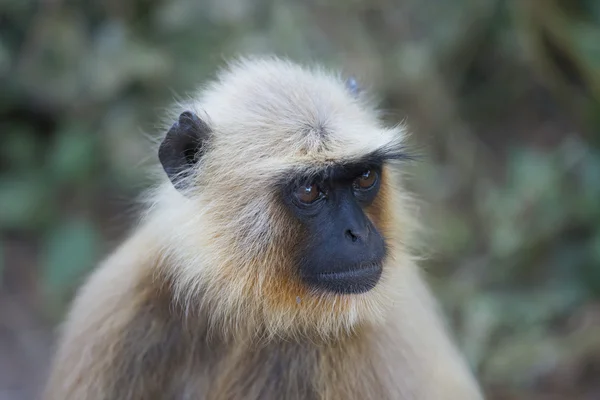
(308, 194)
(366, 180)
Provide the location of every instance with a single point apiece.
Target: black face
(344, 251)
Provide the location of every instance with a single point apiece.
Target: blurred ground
(502, 96)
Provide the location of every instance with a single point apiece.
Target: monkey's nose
(356, 234)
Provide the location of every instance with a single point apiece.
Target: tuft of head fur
(228, 241)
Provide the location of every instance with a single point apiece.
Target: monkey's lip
(350, 281)
(355, 273)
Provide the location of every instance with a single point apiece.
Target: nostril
(351, 235)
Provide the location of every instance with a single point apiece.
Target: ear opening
(182, 147)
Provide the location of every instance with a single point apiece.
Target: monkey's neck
(295, 369)
(277, 368)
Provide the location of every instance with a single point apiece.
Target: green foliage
(70, 251)
(73, 156)
(2, 262)
(25, 202)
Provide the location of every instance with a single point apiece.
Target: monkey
(274, 260)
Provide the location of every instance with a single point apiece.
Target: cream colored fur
(268, 117)
(225, 243)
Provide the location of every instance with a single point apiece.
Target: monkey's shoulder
(127, 334)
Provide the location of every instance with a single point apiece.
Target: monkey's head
(283, 213)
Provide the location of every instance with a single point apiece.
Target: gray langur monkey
(273, 262)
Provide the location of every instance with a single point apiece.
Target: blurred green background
(502, 96)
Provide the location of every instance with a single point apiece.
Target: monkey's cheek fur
(352, 281)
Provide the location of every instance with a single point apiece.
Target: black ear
(182, 147)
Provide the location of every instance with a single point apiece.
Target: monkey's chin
(351, 281)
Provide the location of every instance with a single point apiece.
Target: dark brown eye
(308, 193)
(366, 180)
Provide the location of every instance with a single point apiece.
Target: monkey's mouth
(354, 280)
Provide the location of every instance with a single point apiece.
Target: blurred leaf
(130, 151)
(25, 202)
(117, 59)
(532, 173)
(70, 250)
(592, 269)
(593, 7)
(455, 235)
(5, 58)
(51, 64)
(482, 318)
(2, 261)
(589, 175)
(18, 146)
(171, 16)
(519, 361)
(73, 155)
